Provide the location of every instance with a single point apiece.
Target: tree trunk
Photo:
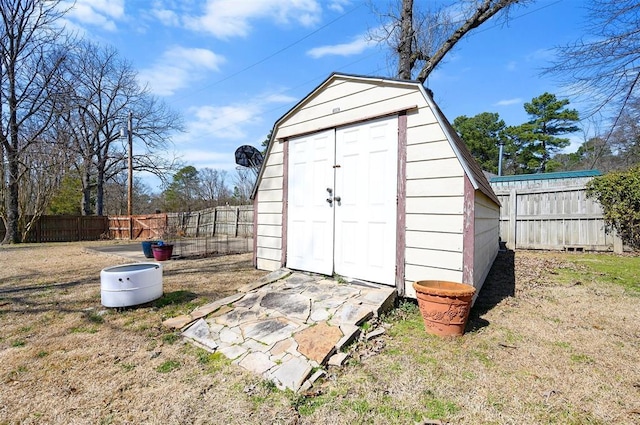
(483, 13)
(405, 46)
(100, 192)
(12, 234)
(86, 191)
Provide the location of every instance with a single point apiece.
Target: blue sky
(233, 67)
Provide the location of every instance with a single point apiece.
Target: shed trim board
(405, 152)
(401, 233)
(468, 239)
(285, 201)
(255, 230)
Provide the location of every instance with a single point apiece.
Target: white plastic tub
(130, 284)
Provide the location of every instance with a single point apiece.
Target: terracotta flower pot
(444, 305)
(162, 252)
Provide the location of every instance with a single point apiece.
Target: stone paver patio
(286, 324)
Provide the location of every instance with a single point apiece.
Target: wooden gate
(151, 226)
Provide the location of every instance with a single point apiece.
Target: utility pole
(501, 145)
(130, 163)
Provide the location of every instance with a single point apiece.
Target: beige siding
(272, 195)
(444, 259)
(268, 253)
(269, 265)
(429, 150)
(434, 204)
(434, 240)
(487, 215)
(271, 207)
(414, 273)
(431, 135)
(453, 186)
(342, 103)
(271, 231)
(272, 242)
(434, 222)
(268, 233)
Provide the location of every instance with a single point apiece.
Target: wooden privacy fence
(551, 211)
(65, 228)
(227, 220)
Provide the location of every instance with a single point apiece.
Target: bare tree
(604, 69)
(115, 196)
(244, 180)
(422, 38)
(102, 91)
(30, 57)
(213, 188)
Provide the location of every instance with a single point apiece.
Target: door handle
(337, 199)
(329, 190)
(330, 201)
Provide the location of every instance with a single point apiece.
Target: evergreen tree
(538, 138)
(482, 134)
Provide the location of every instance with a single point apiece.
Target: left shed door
(310, 218)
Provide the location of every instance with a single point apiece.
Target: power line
(277, 52)
(320, 78)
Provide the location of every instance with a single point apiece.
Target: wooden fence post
(513, 218)
(39, 230)
(618, 246)
(237, 221)
(215, 219)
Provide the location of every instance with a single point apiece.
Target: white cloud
(541, 55)
(207, 158)
(356, 46)
(177, 67)
(97, 13)
(232, 18)
(339, 5)
(167, 17)
(508, 102)
(230, 124)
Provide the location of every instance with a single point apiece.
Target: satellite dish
(250, 157)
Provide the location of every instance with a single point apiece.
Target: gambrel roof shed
(365, 178)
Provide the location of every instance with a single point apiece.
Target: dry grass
(550, 341)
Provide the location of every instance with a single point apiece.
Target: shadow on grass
(173, 298)
(499, 284)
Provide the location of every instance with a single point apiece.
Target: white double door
(342, 201)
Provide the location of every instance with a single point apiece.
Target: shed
(365, 178)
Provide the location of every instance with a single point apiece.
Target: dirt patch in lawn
(549, 341)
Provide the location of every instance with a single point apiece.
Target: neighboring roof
(547, 176)
(469, 164)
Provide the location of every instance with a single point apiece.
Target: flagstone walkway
(286, 325)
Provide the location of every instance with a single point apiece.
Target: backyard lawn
(554, 338)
